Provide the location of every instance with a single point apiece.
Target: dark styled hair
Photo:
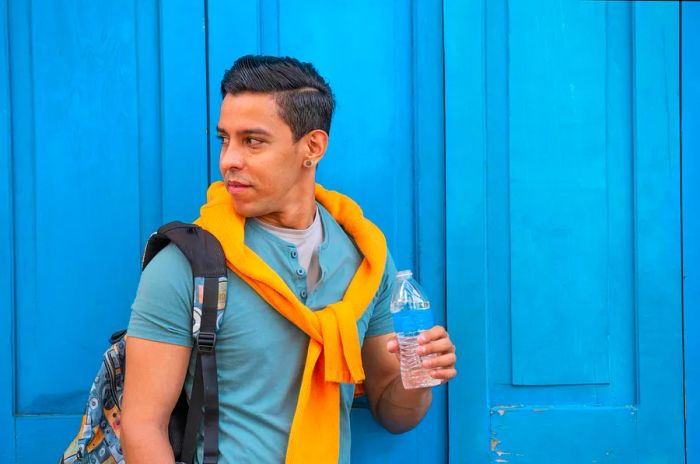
(304, 99)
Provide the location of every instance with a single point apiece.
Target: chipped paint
(499, 453)
(503, 408)
(539, 409)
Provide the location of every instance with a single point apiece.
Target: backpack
(97, 440)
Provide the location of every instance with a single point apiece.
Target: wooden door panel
(563, 198)
(99, 153)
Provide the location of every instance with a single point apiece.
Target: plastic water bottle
(412, 315)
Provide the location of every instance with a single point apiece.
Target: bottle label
(413, 320)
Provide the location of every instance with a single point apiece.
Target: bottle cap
(404, 274)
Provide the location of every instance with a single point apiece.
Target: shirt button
(301, 272)
(303, 293)
(294, 253)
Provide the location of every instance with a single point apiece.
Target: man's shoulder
(168, 260)
(169, 271)
(162, 308)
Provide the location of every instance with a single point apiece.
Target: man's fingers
(446, 360)
(443, 374)
(443, 345)
(437, 341)
(434, 333)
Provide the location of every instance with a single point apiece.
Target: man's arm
(397, 409)
(152, 385)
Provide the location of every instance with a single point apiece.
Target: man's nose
(231, 158)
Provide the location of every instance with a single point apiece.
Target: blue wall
(522, 157)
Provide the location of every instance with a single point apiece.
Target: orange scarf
(333, 355)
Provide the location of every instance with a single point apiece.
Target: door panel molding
(466, 227)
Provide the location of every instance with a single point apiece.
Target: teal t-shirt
(260, 354)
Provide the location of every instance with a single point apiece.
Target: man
(286, 373)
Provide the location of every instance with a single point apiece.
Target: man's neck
(297, 206)
(295, 219)
(299, 210)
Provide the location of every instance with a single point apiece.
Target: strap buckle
(206, 341)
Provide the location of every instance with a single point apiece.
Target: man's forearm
(146, 444)
(399, 410)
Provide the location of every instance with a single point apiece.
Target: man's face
(259, 161)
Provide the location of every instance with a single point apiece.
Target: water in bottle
(412, 315)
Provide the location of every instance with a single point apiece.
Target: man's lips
(235, 187)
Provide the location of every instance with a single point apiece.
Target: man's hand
(396, 408)
(433, 341)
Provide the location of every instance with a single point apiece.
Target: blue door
(563, 226)
(107, 110)
(96, 151)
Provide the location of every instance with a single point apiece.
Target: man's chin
(245, 209)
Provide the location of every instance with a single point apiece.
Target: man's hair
(304, 99)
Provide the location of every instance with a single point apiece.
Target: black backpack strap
(208, 264)
(205, 389)
(201, 248)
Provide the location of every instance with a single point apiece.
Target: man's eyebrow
(251, 131)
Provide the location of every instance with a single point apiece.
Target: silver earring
(308, 163)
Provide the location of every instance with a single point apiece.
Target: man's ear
(315, 144)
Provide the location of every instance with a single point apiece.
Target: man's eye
(252, 142)
(223, 139)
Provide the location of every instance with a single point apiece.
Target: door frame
(690, 188)
(7, 336)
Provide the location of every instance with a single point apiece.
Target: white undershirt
(307, 242)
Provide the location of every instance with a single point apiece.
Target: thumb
(392, 346)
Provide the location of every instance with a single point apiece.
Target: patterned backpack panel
(97, 441)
